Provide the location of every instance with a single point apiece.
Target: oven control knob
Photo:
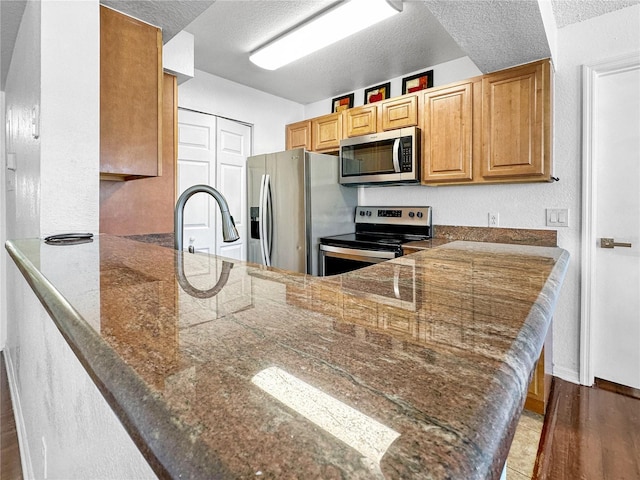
(362, 213)
(411, 214)
(368, 213)
(419, 214)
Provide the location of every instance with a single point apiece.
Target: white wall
(3, 231)
(70, 119)
(523, 206)
(267, 113)
(443, 73)
(56, 68)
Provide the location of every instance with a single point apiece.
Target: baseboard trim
(25, 455)
(567, 374)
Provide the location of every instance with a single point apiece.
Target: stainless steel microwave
(391, 157)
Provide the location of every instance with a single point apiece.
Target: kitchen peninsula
(225, 369)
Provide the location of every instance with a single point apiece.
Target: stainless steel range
(379, 235)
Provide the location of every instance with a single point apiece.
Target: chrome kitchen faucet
(229, 231)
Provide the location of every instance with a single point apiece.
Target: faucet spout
(229, 231)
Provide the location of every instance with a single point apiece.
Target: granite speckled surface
(437, 346)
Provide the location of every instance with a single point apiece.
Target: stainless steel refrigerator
(294, 198)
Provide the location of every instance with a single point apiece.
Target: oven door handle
(396, 155)
(358, 253)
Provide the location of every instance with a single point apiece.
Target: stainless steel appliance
(294, 198)
(391, 157)
(379, 235)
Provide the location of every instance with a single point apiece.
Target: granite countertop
(413, 368)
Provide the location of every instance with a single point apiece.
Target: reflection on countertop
(446, 366)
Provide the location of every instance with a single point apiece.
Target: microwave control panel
(406, 163)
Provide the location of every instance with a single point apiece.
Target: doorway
(610, 333)
(213, 151)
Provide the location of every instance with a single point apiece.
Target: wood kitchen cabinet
(130, 97)
(490, 129)
(540, 386)
(326, 132)
(399, 112)
(516, 123)
(298, 135)
(361, 120)
(494, 128)
(447, 133)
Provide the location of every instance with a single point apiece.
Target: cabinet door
(400, 112)
(515, 119)
(130, 97)
(448, 134)
(326, 132)
(538, 391)
(298, 135)
(361, 120)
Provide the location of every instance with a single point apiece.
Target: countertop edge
(107, 371)
(538, 321)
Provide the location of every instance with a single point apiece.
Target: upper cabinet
(361, 120)
(298, 135)
(399, 112)
(490, 129)
(516, 115)
(130, 97)
(326, 132)
(447, 134)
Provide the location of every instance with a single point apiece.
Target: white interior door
(233, 148)
(197, 165)
(615, 171)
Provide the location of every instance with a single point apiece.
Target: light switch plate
(557, 217)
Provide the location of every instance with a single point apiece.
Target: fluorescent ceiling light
(330, 26)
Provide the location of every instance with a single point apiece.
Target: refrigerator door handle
(268, 241)
(396, 155)
(262, 214)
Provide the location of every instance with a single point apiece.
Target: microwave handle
(396, 155)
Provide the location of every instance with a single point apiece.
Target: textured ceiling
(567, 12)
(495, 34)
(229, 30)
(171, 15)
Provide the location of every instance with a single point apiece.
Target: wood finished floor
(589, 433)
(10, 467)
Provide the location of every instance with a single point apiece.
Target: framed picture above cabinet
(417, 82)
(377, 93)
(342, 103)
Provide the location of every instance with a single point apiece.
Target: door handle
(396, 155)
(610, 243)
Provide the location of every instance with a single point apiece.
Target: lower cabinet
(540, 386)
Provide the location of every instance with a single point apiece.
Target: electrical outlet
(494, 219)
